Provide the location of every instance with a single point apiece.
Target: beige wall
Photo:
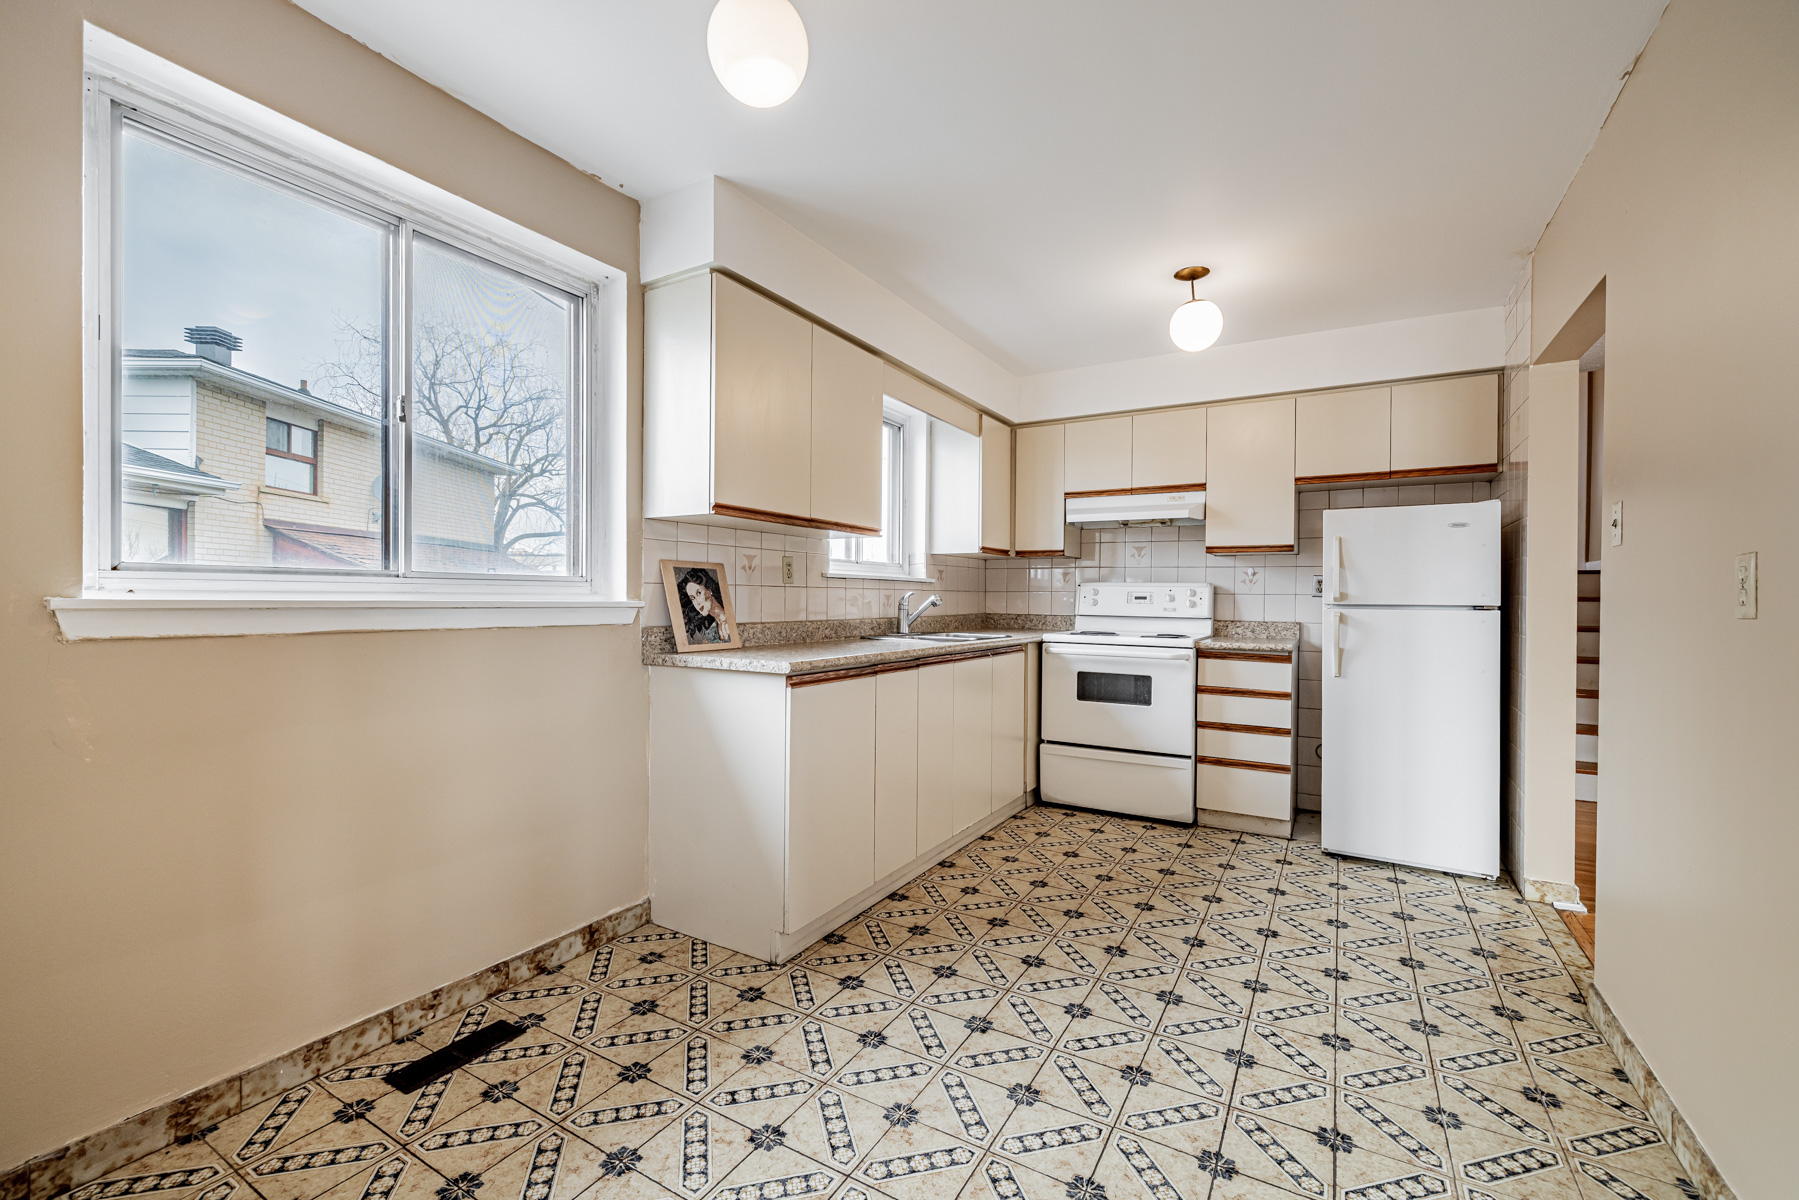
(214, 850)
(1685, 207)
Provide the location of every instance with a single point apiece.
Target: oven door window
(1106, 687)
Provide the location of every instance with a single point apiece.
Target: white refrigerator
(1411, 673)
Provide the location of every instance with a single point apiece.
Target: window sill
(84, 618)
(877, 576)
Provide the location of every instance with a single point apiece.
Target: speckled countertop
(1274, 637)
(802, 647)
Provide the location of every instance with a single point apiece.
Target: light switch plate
(787, 569)
(1745, 601)
(1617, 522)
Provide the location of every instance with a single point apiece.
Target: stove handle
(1117, 652)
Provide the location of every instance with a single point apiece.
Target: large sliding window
(305, 379)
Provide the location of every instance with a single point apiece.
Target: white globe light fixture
(758, 50)
(1197, 323)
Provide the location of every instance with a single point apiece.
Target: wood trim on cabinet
(1241, 765)
(781, 518)
(1347, 477)
(1247, 656)
(1428, 472)
(1589, 730)
(1586, 693)
(1250, 693)
(1139, 491)
(1063, 553)
(807, 680)
(1227, 727)
(995, 550)
(1586, 768)
(1287, 548)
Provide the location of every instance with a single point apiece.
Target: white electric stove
(1119, 700)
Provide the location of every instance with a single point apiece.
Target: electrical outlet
(1317, 585)
(1746, 586)
(1617, 525)
(787, 575)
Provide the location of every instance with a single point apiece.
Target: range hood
(1146, 508)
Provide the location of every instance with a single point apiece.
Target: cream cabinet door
(846, 434)
(1096, 456)
(1037, 524)
(1168, 449)
(1250, 502)
(1446, 423)
(996, 487)
(896, 771)
(761, 404)
(936, 753)
(1008, 728)
(972, 787)
(830, 796)
(1343, 436)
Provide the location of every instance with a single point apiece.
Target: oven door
(1119, 697)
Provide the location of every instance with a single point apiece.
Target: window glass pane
(245, 305)
(287, 473)
(150, 534)
(492, 376)
(301, 441)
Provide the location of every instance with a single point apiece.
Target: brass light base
(1190, 274)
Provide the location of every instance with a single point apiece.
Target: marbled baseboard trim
(1544, 891)
(1701, 1171)
(99, 1153)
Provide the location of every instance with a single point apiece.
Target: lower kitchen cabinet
(1244, 775)
(779, 805)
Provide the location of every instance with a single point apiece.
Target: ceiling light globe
(758, 50)
(1196, 325)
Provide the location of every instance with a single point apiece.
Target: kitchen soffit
(1028, 171)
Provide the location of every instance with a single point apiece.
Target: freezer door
(1411, 737)
(1421, 554)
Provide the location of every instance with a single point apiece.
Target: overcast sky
(203, 245)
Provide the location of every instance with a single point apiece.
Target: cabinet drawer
(1246, 673)
(1254, 793)
(1246, 710)
(1245, 747)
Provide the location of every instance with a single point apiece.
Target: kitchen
(747, 598)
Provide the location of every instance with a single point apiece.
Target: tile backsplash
(1246, 587)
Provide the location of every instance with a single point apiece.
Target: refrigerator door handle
(1337, 569)
(1337, 644)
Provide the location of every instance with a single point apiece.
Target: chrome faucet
(906, 618)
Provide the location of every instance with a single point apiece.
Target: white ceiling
(1031, 172)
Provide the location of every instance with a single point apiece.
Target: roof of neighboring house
(148, 466)
(330, 545)
(180, 362)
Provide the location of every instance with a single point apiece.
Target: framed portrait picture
(699, 606)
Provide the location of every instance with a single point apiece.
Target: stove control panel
(1192, 600)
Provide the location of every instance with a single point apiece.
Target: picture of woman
(699, 606)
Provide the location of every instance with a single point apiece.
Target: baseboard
(1545, 891)
(785, 945)
(101, 1153)
(1244, 823)
(1701, 1171)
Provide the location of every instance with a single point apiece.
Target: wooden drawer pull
(1241, 765)
(1268, 730)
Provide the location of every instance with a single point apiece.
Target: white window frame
(148, 600)
(910, 486)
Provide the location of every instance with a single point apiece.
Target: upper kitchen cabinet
(752, 414)
(1446, 427)
(1038, 527)
(1250, 500)
(1097, 457)
(996, 487)
(1168, 450)
(846, 434)
(1342, 437)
